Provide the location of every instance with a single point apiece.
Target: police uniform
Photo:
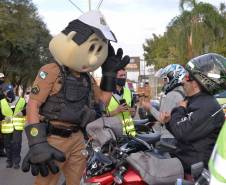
(54, 89)
(12, 127)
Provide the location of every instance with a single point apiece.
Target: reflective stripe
(19, 126)
(15, 123)
(7, 128)
(18, 123)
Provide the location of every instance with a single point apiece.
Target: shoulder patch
(43, 74)
(35, 89)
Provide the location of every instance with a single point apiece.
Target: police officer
(62, 96)
(12, 125)
(121, 104)
(197, 121)
(173, 94)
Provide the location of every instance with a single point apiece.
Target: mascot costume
(62, 98)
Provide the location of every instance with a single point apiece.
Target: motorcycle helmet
(174, 73)
(209, 70)
(9, 92)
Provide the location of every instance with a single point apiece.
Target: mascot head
(83, 45)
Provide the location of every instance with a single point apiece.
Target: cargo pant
(74, 165)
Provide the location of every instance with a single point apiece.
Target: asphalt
(11, 176)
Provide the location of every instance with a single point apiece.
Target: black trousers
(12, 143)
(1, 143)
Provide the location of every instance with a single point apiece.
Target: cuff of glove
(108, 83)
(36, 133)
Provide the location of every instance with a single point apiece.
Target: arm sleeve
(155, 113)
(193, 125)
(171, 101)
(168, 102)
(44, 82)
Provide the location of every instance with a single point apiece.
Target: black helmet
(209, 71)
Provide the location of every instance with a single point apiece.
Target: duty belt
(61, 130)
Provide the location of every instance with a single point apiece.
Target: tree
(24, 41)
(199, 29)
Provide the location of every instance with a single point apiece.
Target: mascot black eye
(99, 49)
(92, 47)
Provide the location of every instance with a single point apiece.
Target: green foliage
(24, 41)
(199, 29)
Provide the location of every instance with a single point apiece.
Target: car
(221, 98)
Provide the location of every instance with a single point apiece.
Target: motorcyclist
(173, 93)
(194, 122)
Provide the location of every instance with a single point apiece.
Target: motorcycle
(108, 165)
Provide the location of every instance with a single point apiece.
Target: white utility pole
(89, 5)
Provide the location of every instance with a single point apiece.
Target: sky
(132, 21)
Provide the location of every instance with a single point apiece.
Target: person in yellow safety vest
(121, 104)
(217, 163)
(12, 125)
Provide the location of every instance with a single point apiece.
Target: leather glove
(113, 63)
(40, 158)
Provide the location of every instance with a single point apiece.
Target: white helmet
(2, 75)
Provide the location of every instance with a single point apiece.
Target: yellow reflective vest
(217, 163)
(12, 121)
(128, 124)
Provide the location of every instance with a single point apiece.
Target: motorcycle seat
(150, 138)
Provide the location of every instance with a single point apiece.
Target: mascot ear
(61, 43)
(71, 35)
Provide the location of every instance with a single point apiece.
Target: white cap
(2, 75)
(95, 19)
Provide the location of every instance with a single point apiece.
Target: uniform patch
(43, 74)
(34, 132)
(35, 89)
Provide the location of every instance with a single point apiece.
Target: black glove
(41, 155)
(113, 63)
